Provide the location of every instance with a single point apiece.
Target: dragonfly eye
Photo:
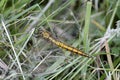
(38, 33)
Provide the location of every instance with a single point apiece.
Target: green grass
(92, 27)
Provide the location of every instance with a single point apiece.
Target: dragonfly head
(42, 33)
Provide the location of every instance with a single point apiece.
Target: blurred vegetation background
(91, 26)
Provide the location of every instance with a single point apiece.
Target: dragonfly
(47, 36)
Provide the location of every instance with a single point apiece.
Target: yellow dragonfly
(47, 35)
